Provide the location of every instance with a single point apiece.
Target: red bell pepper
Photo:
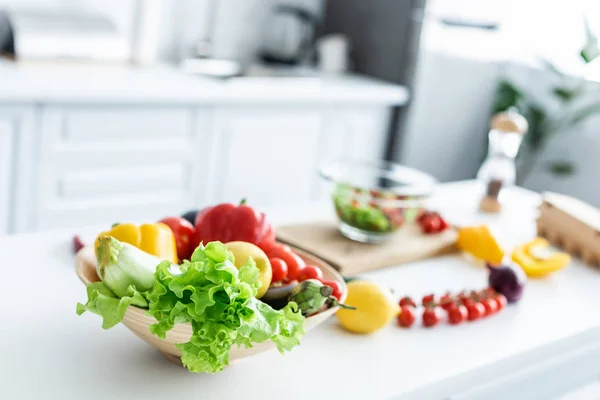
(229, 222)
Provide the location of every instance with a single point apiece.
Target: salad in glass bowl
(374, 199)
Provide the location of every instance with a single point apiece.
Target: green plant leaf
(536, 134)
(584, 113)
(590, 50)
(562, 168)
(565, 94)
(219, 301)
(507, 96)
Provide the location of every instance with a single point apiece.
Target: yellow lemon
(375, 307)
(242, 251)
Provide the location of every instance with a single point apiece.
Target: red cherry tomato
(443, 224)
(490, 306)
(279, 268)
(501, 301)
(466, 301)
(457, 314)
(431, 224)
(428, 300)
(183, 231)
(310, 272)
(447, 301)
(489, 292)
(407, 301)
(407, 316)
(337, 289)
(422, 215)
(431, 316)
(476, 311)
(293, 260)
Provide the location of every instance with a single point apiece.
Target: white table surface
(548, 343)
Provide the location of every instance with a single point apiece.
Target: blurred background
(132, 108)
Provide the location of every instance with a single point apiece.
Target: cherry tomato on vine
(337, 289)
(475, 311)
(279, 268)
(457, 314)
(490, 305)
(310, 272)
(407, 316)
(431, 316)
(407, 301)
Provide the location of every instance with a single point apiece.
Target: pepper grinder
(499, 170)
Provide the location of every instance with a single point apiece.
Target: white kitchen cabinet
(16, 126)
(270, 155)
(103, 164)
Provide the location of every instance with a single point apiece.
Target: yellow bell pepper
(538, 259)
(156, 239)
(480, 243)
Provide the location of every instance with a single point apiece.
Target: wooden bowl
(138, 322)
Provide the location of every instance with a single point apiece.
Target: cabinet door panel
(140, 163)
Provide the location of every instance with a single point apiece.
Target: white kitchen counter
(546, 344)
(64, 83)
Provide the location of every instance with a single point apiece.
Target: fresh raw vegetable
(501, 301)
(457, 314)
(370, 210)
(210, 293)
(190, 216)
(431, 316)
(311, 296)
(279, 269)
(538, 259)
(432, 222)
(336, 288)
(310, 272)
(156, 239)
(428, 300)
(293, 261)
(375, 307)
(507, 280)
(277, 297)
(480, 243)
(446, 301)
(126, 272)
(407, 301)
(77, 244)
(490, 306)
(219, 301)
(243, 252)
(229, 223)
(121, 265)
(407, 316)
(183, 231)
(466, 305)
(475, 311)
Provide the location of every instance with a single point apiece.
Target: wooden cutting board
(408, 244)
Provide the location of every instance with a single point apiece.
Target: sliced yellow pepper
(480, 243)
(156, 239)
(538, 259)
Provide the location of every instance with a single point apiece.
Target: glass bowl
(374, 199)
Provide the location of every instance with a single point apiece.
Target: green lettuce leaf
(219, 301)
(103, 302)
